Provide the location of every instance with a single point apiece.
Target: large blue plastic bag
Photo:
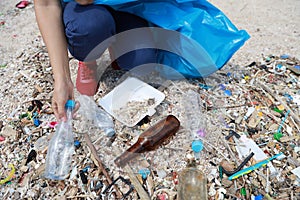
(207, 38)
(107, 2)
(198, 20)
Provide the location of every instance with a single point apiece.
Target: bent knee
(87, 27)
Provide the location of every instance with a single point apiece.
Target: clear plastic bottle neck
(70, 105)
(69, 114)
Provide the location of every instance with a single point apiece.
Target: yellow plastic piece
(10, 175)
(247, 78)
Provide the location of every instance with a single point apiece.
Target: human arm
(49, 18)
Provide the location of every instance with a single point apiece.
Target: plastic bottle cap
(36, 122)
(109, 132)
(144, 173)
(77, 143)
(197, 146)
(70, 104)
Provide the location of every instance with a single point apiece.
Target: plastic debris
(253, 167)
(296, 171)
(36, 122)
(83, 177)
(31, 156)
(10, 175)
(259, 197)
(277, 136)
(229, 136)
(126, 181)
(52, 124)
(229, 173)
(246, 145)
(41, 143)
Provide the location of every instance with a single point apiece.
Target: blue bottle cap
(144, 172)
(70, 104)
(197, 146)
(77, 143)
(36, 122)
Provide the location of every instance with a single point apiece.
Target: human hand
(85, 2)
(62, 92)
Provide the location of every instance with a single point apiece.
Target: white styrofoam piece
(132, 89)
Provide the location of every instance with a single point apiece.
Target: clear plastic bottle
(61, 148)
(192, 185)
(194, 120)
(96, 115)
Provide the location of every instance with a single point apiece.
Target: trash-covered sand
(251, 105)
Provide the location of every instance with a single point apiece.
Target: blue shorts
(90, 29)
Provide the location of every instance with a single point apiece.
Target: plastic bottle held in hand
(192, 185)
(96, 115)
(61, 148)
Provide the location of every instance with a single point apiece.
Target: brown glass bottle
(151, 139)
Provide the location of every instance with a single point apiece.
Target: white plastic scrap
(221, 192)
(249, 112)
(296, 171)
(246, 146)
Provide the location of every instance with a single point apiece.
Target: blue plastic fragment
(144, 172)
(228, 92)
(289, 97)
(259, 197)
(86, 169)
(35, 114)
(297, 67)
(222, 87)
(284, 56)
(203, 86)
